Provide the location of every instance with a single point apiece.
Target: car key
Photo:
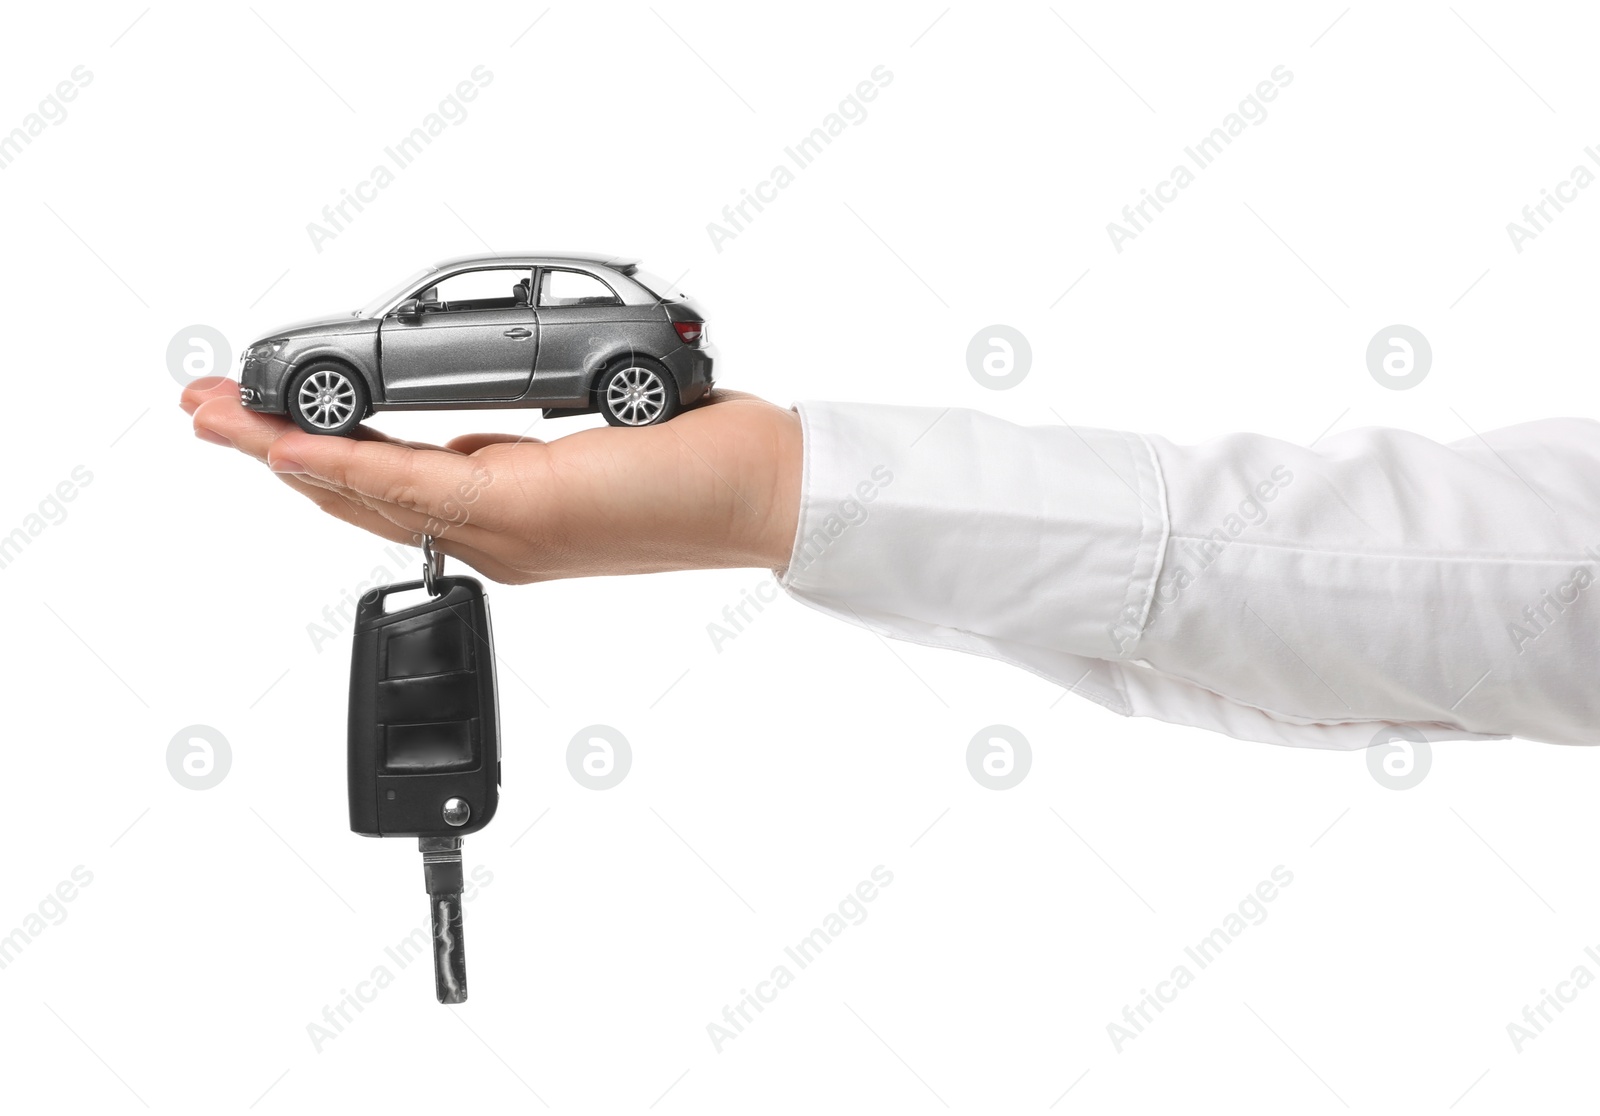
(424, 738)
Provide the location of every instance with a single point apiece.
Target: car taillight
(690, 333)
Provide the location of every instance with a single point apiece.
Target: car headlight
(264, 349)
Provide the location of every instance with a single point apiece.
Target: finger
(358, 515)
(221, 417)
(330, 500)
(368, 434)
(430, 482)
(198, 391)
(218, 413)
(412, 522)
(472, 443)
(254, 435)
(418, 523)
(486, 564)
(721, 395)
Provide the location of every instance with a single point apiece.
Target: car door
(579, 316)
(473, 339)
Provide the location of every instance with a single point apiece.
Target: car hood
(330, 326)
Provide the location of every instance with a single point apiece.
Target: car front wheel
(638, 394)
(327, 398)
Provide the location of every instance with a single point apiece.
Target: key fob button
(445, 746)
(424, 647)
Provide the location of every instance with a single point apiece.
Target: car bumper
(261, 385)
(693, 369)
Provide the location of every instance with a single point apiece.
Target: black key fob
(424, 744)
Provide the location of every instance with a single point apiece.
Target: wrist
(770, 456)
(788, 462)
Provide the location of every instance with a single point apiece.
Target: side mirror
(431, 305)
(409, 309)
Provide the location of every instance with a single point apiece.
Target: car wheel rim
(636, 396)
(327, 399)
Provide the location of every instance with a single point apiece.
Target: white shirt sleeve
(1317, 597)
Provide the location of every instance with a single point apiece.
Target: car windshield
(377, 305)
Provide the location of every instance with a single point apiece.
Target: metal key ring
(432, 565)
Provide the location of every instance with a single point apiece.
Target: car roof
(624, 264)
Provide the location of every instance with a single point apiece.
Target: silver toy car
(570, 333)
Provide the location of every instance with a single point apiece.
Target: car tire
(326, 397)
(637, 392)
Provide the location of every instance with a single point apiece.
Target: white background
(772, 776)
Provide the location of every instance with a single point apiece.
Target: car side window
(493, 288)
(559, 287)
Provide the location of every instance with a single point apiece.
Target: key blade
(449, 949)
(441, 874)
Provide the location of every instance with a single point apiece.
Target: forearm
(964, 522)
(1246, 585)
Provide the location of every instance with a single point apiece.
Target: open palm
(718, 486)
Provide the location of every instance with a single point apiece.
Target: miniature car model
(569, 333)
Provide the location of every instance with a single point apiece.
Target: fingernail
(211, 436)
(288, 465)
(183, 405)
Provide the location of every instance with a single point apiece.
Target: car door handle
(519, 333)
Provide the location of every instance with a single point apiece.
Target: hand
(718, 486)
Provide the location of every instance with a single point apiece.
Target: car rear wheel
(327, 398)
(638, 393)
